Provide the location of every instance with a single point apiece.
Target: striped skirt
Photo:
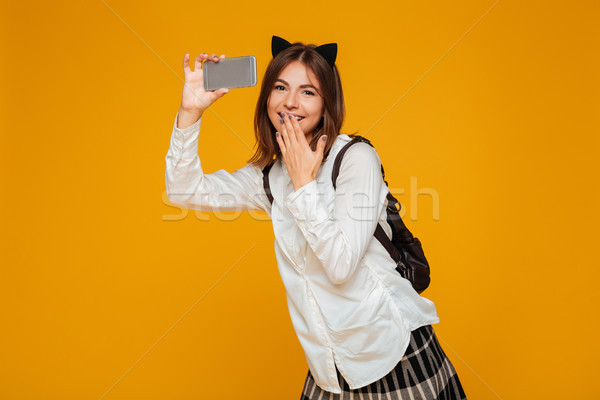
(424, 373)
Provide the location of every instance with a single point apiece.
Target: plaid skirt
(424, 373)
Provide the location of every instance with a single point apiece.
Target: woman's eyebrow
(301, 86)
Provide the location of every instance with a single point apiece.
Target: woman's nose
(291, 100)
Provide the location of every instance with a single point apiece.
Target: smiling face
(296, 91)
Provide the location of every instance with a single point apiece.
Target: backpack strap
(405, 250)
(338, 158)
(266, 185)
(399, 230)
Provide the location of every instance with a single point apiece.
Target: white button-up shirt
(347, 303)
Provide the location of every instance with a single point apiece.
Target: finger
(321, 145)
(201, 58)
(283, 132)
(279, 139)
(214, 58)
(222, 56)
(198, 62)
(220, 93)
(186, 64)
(291, 130)
(299, 132)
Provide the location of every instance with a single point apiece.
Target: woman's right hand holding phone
(195, 99)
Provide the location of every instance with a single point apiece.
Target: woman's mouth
(282, 115)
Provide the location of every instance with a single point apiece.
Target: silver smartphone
(232, 72)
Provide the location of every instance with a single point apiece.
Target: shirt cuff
(184, 138)
(305, 205)
(186, 131)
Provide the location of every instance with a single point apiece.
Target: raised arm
(186, 183)
(340, 239)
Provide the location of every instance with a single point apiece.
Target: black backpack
(404, 248)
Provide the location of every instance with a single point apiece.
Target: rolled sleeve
(186, 140)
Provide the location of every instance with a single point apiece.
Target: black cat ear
(329, 52)
(278, 44)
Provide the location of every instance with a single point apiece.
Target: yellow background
(490, 109)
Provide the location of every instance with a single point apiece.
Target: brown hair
(267, 148)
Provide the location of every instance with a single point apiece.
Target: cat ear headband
(328, 51)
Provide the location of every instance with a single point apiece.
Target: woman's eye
(280, 87)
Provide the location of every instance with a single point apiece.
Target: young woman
(363, 327)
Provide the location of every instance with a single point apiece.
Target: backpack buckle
(395, 207)
(401, 265)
